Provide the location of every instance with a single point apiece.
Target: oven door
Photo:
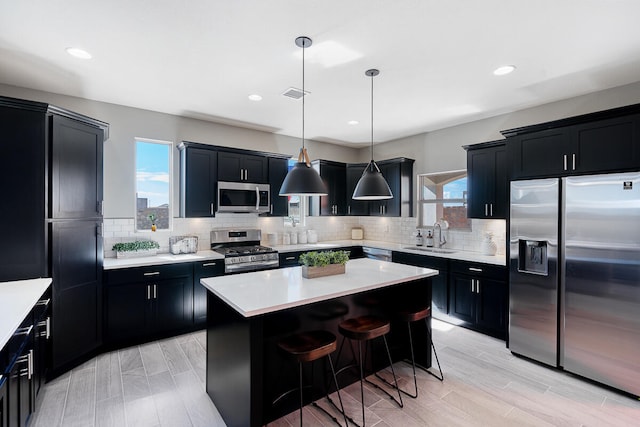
(243, 197)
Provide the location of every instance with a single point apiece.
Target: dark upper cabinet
(237, 167)
(606, 141)
(488, 195)
(399, 176)
(278, 169)
(76, 169)
(22, 177)
(334, 176)
(355, 207)
(198, 178)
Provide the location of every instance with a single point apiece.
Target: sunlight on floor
(440, 325)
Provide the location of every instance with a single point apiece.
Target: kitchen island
(248, 313)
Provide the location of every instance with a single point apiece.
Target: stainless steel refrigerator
(574, 275)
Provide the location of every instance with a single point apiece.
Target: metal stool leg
(441, 377)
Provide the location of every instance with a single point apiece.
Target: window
(443, 195)
(153, 185)
(297, 205)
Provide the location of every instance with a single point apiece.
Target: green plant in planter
(138, 245)
(324, 258)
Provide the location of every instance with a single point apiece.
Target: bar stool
(308, 347)
(410, 315)
(365, 329)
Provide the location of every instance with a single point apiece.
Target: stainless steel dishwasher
(375, 253)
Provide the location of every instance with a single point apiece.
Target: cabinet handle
(490, 209)
(473, 286)
(478, 286)
(290, 258)
(48, 328)
(29, 359)
(208, 264)
(211, 209)
(148, 291)
(565, 162)
(23, 331)
(486, 213)
(44, 302)
(271, 209)
(573, 161)
(46, 324)
(349, 209)
(155, 291)
(241, 174)
(153, 273)
(478, 270)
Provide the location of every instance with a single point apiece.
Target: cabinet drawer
(476, 269)
(146, 273)
(209, 268)
(440, 264)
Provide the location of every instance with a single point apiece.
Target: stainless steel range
(242, 250)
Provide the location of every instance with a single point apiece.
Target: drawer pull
(209, 264)
(23, 331)
(153, 273)
(44, 302)
(290, 258)
(478, 270)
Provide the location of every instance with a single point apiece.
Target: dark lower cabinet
(3, 401)
(290, 259)
(144, 303)
(479, 297)
(201, 270)
(439, 283)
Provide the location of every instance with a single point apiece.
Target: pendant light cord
(372, 118)
(303, 93)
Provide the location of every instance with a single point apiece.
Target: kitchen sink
(432, 250)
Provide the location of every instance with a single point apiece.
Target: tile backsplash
(394, 230)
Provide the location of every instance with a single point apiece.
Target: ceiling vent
(295, 93)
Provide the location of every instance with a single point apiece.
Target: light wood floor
(162, 384)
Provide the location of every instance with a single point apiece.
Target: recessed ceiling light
(353, 122)
(78, 53)
(255, 97)
(505, 69)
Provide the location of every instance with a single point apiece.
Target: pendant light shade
(302, 179)
(372, 185)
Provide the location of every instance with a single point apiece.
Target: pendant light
(302, 179)
(372, 185)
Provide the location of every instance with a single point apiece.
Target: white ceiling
(202, 58)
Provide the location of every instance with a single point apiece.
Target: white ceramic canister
(312, 236)
(302, 237)
(294, 238)
(488, 246)
(286, 239)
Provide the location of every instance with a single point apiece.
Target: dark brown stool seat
(308, 347)
(364, 329)
(416, 314)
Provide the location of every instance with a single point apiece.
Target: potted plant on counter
(325, 263)
(139, 248)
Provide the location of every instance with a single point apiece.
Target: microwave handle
(257, 198)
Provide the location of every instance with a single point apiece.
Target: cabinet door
(127, 311)
(355, 207)
(334, 176)
(289, 259)
(462, 298)
(199, 183)
(540, 154)
(230, 167)
(173, 304)
(76, 260)
(607, 145)
(480, 168)
(22, 177)
(491, 298)
(278, 169)
(3, 401)
(391, 173)
(201, 270)
(501, 187)
(76, 169)
(256, 168)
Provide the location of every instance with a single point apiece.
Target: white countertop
(457, 254)
(266, 291)
(112, 263)
(16, 300)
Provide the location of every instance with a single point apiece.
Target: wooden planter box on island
(327, 270)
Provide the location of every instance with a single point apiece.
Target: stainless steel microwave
(243, 197)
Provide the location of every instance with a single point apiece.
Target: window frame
(170, 145)
(421, 203)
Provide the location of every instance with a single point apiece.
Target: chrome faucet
(440, 242)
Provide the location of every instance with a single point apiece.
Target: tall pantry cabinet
(51, 181)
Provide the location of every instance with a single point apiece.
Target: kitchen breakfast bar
(248, 313)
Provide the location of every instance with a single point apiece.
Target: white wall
(127, 123)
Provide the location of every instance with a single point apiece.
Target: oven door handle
(231, 268)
